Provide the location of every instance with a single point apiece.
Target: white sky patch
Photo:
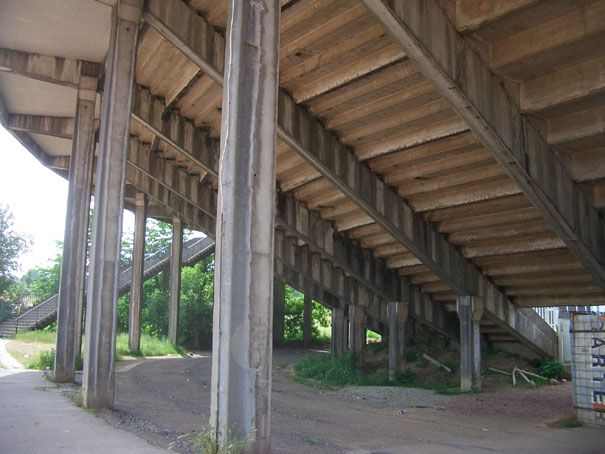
(37, 198)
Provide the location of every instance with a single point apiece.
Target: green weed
(44, 361)
(206, 442)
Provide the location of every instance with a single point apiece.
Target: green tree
(11, 246)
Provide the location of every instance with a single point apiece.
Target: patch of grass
(45, 360)
(150, 346)
(338, 371)
(570, 424)
(206, 443)
(37, 336)
(343, 370)
(308, 440)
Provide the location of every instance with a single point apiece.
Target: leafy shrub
(551, 369)
(339, 371)
(44, 361)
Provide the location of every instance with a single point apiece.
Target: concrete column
(138, 266)
(166, 280)
(175, 281)
(478, 308)
(241, 368)
(339, 332)
(394, 352)
(465, 314)
(402, 317)
(73, 268)
(99, 357)
(307, 320)
(279, 304)
(356, 330)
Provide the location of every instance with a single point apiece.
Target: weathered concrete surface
(241, 368)
(73, 266)
(175, 281)
(307, 320)
(279, 303)
(101, 309)
(339, 332)
(424, 32)
(465, 314)
(138, 265)
(35, 418)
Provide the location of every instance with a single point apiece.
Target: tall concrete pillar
(395, 342)
(307, 320)
(356, 330)
(241, 369)
(465, 314)
(166, 280)
(138, 265)
(339, 332)
(99, 357)
(402, 316)
(73, 266)
(279, 305)
(478, 308)
(175, 281)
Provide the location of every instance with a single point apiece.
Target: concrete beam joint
(130, 10)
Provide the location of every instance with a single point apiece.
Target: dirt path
(163, 398)
(6, 360)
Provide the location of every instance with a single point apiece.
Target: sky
(37, 198)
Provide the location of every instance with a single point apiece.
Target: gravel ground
(162, 399)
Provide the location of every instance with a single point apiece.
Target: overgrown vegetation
(150, 346)
(344, 370)
(205, 441)
(550, 368)
(44, 361)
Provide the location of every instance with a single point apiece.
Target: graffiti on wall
(588, 366)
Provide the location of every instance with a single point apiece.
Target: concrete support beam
(299, 130)
(48, 68)
(357, 330)
(402, 316)
(138, 261)
(279, 303)
(241, 367)
(98, 380)
(175, 281)
(339, 332)
(398, 316)
(478, 308)
(307, 320)
(465, 314)
(425, 33)
(72, 280)
(394, 353)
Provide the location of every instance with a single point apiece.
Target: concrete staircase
(45, 313)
